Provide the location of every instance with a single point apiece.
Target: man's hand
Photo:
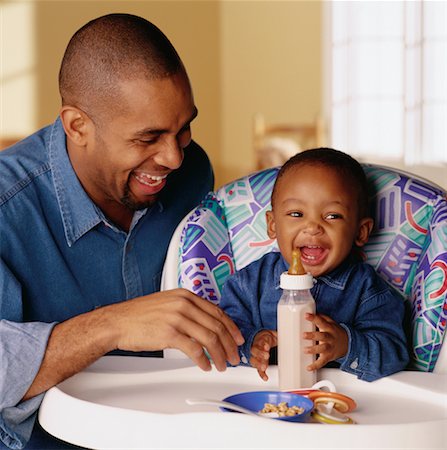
(178, 319)
(260, 351)
(331, 338)
(169, 319)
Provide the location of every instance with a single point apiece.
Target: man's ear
(76, 124)
(271, 231)
(365, 227)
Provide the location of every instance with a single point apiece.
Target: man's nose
(171, 155)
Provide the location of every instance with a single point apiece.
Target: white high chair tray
(136, 403)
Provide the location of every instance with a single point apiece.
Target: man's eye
(146, 141)
(296, 214)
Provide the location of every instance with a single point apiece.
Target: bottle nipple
(296, 277)
(296, 267)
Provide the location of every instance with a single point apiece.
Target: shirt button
(354, 364)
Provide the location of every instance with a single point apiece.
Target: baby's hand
(332, 340)
(260, 351)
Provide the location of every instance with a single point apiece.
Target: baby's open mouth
(313, 254)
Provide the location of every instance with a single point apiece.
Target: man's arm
(170, 319)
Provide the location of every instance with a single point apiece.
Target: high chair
(408, 247)
(132, 402)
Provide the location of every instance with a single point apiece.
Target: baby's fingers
(260, 353)
(261, 364)
(317, 336)
(263, 374)
(317, 364)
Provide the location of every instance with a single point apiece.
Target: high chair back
(408, 246)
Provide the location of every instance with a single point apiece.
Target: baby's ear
(365, 227)
(271, 231)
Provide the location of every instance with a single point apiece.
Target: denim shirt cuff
(22, 349)
(17, 422)
(350, 362)
(354, 361)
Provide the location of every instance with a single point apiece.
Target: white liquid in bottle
(292, 361)
(295, 302)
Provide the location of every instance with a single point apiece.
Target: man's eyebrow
(158, 131)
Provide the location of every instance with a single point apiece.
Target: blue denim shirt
(60, 256)
(353, 295)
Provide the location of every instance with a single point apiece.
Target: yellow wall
(271, 64)
(242, 57)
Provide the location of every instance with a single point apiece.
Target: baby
(320, 206)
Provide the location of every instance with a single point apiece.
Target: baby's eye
(332, 216)
(296, 214)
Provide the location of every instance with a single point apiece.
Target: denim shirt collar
(339, 276)
(78, 212)
(336, 279)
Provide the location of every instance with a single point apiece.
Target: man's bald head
(108, 50)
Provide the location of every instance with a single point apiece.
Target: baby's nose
(312, 227)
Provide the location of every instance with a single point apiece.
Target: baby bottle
(295, 302)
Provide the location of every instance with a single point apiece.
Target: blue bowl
(255, 401)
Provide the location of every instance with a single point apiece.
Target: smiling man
(87, 209)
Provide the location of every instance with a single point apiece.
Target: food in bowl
(256, 400)
(282, 409)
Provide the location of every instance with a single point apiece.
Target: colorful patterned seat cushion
(408, 246)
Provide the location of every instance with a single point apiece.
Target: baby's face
(316, 211)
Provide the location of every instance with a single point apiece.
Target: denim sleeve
(377, 341)
(238, 303)
(22, 347)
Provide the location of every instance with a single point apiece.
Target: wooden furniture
(275, 143)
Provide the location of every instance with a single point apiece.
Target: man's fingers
(219, 345)
(194, 351)
(214, 330)
(220, 315)
(172, 319)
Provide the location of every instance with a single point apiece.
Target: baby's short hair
(343, 165)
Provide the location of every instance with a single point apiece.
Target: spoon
(228, 405)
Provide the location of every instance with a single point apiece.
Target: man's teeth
(149, 180)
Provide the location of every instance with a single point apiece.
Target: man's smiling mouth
(149, 180)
